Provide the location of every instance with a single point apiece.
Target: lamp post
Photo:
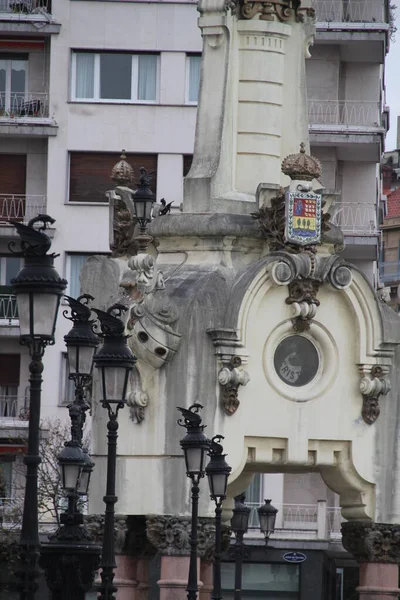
(70, 559)
(267, 515)
(143, 200)
(195, 446)
(38, 288)
(115, 361)
(217, 472)
(239, 524)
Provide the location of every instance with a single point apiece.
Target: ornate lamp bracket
(373, 383)
(232, 355)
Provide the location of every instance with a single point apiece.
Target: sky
(392, 76)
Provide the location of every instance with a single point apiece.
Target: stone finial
(302, 166)
(372, 542)
(122, 172)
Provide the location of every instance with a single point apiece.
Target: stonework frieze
(372, 542)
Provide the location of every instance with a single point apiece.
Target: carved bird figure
(166, 208)
(33, 241)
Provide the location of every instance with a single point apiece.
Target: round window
(296, 360)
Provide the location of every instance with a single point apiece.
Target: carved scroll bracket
(373, 383)
(304, 274)
(232, 355)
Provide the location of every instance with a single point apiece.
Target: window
(9, 382)
(67, 385)
(9, 267)
(75, 264)
(114, 76)
(13, 78)
(89, 173)
(262, 580)
(187, 163)
(253, 495)
(193, 69)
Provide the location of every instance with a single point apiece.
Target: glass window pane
(18, 76)
(194, 77)
(115, 76)
(147, 78)
(2, 76)
(279, 578)
(76, 263)
(13, 265)
(84, 78)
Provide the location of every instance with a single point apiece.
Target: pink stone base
(174, 576)
(125, 577)
(206, 575)
(378, 581)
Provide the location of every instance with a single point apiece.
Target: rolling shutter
(90, 173)
(9, 369)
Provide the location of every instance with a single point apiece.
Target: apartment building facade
(81, 79)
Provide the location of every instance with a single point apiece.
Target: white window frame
(187, 80)
(134, 81)
(3, 56)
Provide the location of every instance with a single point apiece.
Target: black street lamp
(195, 446)
(70, 559)
(217, 472)
(267, 515)
(143, 200)
(115, 361)
(38, 288)
(239, 525)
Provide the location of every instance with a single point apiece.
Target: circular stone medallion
(296, 360)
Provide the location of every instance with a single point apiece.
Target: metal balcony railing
(25, 7)
(349, 11)
(303, 521)
(21, 207)
(24, 105)
(355, 218)
(344, 113)
(8, 309)
(389, 272)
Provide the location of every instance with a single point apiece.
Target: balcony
(21, 207)
(303, 521)
(8, 313)
(344, 114)
(27, 16)
(14, 406)
(355, 218)
(29, 111)
(389, 272)
(356, 11)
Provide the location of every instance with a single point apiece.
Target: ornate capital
(373, 383)
(372, 542)
(95, 526)
(170, 535)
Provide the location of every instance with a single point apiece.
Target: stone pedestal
(376, 546)
(206, 576)
(170, 535)
(125, 577)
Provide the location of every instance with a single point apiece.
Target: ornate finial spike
(302, 166)
(302, 148)
(123, 155)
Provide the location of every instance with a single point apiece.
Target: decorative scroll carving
(152, 315)
(303, 299)
(122, 223)
(230, 378)
(168, 534)
(304, 274)
(137, 402)
(372, 542)
(232, 355)
(95, 526)
(283, 10)
(373, 383)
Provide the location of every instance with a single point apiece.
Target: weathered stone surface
(372, 542)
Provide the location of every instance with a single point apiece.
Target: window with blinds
(89, 173)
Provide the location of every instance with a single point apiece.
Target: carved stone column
(170, 535)
(376, 546)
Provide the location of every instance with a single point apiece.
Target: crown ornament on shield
(302, 166)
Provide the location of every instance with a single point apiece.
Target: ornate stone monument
(244, 304)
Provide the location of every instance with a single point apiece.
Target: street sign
(294, 557)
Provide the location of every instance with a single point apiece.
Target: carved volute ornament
(373, 383)
(281, 10)
(372, 542)
(230, 378)
(303, 298)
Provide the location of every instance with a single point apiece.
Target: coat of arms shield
(303, 218)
